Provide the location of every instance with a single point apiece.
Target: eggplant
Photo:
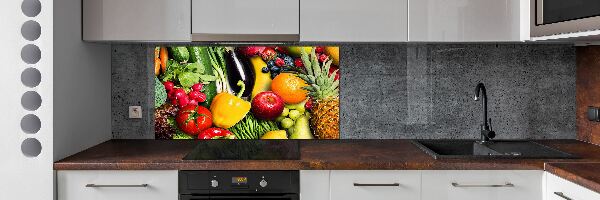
(239, 69)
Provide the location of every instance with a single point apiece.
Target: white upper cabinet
(136, 20)
(353, 20)
(468, 20)
(244, 20)
(307, 20)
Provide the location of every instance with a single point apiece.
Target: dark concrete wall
(413, 90)
(132, 85)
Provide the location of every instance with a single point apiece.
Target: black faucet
(486, 129)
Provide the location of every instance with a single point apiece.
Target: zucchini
(211, 89)
(180, 53)
(194, 54)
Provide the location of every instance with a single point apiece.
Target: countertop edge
(572, 176)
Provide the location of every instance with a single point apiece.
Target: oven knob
(263, 183)
(214, 183)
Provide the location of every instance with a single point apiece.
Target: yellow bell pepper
(227, 109)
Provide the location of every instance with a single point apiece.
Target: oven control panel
(228, 182)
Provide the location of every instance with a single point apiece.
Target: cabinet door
(136, 20)
(468, 20)
(353, 20)
(244, 20)
(376, 185)
(314, 185)
(560, 189)
(117, 185)
(482, 184)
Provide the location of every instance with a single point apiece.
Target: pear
(301, 129)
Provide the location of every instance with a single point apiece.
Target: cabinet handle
(492, 185)
(115, 186)
(376, 184)
(561, 195)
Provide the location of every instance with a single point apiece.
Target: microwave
(555, 17)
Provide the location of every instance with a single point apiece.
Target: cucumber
(211, 89)
(194, 54)
(180, 53)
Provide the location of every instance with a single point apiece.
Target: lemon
(278, 134)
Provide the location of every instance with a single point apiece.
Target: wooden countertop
(584, 174)
(315, 154)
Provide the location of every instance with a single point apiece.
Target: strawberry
(323, 58)
(252, 50)
(319, 49)
(281, 50)
(298, 62)
(268, 54)
(279, 62)
(337, 74)
(308, 104)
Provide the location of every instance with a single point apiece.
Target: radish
(183, 101)
(197, 87)
(169, 85)
(194, 95)
(201, 97)
(179, 93)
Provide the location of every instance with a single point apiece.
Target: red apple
(267, 105)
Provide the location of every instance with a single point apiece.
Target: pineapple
(324, 91)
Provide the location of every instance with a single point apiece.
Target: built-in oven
(238, 185)
(553, 17)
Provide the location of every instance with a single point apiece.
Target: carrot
(164, 56)
(156, 66)
(156, 52)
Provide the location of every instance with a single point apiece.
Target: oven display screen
(239, 180)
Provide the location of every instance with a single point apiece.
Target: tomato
(193, 119)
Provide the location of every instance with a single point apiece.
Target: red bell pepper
(215, 133)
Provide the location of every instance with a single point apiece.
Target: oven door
(240, 197)
(552, 17)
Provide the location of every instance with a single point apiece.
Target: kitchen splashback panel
(410, 91)
(246, 92)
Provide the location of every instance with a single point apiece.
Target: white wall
(24, 177)
(82, 97)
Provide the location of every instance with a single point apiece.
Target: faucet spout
(480, 94)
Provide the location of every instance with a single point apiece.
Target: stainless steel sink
(494, 149)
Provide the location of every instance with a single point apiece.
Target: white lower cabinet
(375, 185)
(341, 185)
(421, 185)
(314, 184)
(560, 189)
(482, 185)
(117, 185)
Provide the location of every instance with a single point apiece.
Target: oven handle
(239, 196)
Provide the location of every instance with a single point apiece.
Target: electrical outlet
(135, 112)
(593, 114)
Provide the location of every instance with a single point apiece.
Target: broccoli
(160, 93)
